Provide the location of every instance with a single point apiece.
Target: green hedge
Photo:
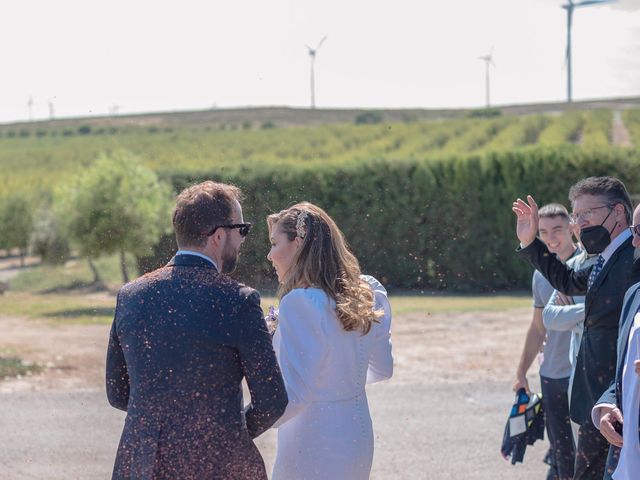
(423, 223)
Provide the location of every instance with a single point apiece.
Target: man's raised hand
(527, 226)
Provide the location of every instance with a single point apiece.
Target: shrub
(424, 223)
(47, 239)
(16, 222)
(368, 118)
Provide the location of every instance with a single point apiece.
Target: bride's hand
(527, 226)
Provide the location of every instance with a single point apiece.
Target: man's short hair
(200, 208)
(551, 210)
(610, 187)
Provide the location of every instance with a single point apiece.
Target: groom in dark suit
(182, 339)
(602, 209)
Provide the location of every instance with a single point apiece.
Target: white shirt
(629, 463)
(613, 246)
(198, 254)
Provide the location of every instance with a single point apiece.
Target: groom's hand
(527, 226)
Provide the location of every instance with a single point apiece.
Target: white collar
(615, 243)
(198, 254)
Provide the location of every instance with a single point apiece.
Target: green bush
(485, 113)
(16, 221)
(424, 223)
(368, 118)
(48, 239)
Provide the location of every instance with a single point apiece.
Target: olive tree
(115, 206)
(16, 222)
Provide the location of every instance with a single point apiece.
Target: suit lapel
(623, 335)
(592, 293)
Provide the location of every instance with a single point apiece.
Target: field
(37, 157)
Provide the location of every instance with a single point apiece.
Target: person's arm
(302, 351)
(260, 368)
(381, 360)
(606, 416)
(561, 277)
(117, 375)
(532, 249)
(561, 315)
(532, 345)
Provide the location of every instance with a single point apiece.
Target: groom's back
(180, 327)
(180, 330)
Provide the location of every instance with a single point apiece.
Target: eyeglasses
(243, 228)
(587, 215)
(634, 229)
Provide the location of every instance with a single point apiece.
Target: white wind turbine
(570, 7)
(30, 107)
(488, 60)
(312, 55)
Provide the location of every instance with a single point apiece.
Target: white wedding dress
(326, 432)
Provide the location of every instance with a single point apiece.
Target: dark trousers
(556, 410)
(612, 462)
(591, 453)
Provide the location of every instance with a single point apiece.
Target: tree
(16, 223)
(116, 206)
(47, 238)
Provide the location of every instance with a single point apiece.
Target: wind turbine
(312, 55)
(488, 60)
(569, 7)
(30, 107)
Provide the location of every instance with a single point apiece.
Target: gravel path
(440, 417)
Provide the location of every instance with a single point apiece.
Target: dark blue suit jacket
(613, 395)
(182, 339)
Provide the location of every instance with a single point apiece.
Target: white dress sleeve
(381, 360)
(302, 349)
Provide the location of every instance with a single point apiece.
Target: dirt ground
(441, 416)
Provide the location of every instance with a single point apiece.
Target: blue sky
(85, 57)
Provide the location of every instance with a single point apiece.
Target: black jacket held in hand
(595, 367)
(182, 339)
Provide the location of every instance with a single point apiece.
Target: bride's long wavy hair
(324, 261)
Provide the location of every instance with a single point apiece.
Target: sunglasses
(243, 228)
(635, 230)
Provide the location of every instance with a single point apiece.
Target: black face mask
(595, 239)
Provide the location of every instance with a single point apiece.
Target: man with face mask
(602, 209)
(182, 339)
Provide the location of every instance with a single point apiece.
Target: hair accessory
(301, 226)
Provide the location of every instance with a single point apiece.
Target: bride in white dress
(333, 337)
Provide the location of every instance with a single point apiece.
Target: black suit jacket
(182, 339)
(613, 395)
(596, 363)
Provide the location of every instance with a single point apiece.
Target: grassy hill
(40, 155)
